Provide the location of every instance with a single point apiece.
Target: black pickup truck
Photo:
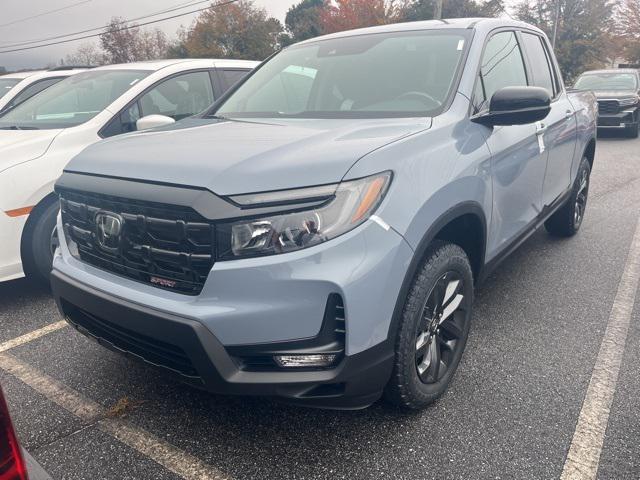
(617, 91)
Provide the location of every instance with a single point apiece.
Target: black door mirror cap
(516, 106)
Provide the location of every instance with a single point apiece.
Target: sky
(77, 15)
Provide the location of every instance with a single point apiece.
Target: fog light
(315, 360)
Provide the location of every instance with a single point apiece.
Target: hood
(614, 94)
(232, 157)
(19, 146)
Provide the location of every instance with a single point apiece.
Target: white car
(15, 88)
(39, 136)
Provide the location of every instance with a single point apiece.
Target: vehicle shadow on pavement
(17, 291)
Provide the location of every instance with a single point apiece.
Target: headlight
(349, 205)
(626, 102)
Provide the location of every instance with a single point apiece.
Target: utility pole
(555, 24)
(438, 13)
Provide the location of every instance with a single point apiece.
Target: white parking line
(172, 458)
(29, 337)
(588, 439)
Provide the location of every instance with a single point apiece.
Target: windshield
(607, 81)
(73, 101)
(382, 75)
(7, 84)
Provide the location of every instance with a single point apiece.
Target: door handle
(568, 114)
(540, 128)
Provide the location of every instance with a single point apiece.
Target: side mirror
(516, 106)
(153, 121)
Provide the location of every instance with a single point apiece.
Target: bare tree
(85, 54)
(124, 43)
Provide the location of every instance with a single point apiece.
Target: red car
(12, 457)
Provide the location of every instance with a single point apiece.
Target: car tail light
(12, 465)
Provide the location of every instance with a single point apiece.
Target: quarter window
(541, 70)
(502, 64)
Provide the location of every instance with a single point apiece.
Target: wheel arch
(590, 151)
(452, 226)
(34, 215)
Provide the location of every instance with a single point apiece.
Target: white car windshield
(398, 74)
(73, 101)
(7, 84)
(607, 81)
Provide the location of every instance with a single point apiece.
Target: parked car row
(314, 233)
(16, 88)
(39, 136)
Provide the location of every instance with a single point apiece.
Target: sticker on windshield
(460, 44)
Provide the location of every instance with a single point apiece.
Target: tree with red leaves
(348, 14)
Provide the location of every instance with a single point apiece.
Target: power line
(128, 27)
(38, 15)
(81, 32)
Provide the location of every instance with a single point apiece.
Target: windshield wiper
(16, 127)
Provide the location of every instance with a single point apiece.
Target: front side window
(381, 75)
(179, 97)
(72, 101)
(541, 70)
(502, 64)
(7, 84)
(607, 81)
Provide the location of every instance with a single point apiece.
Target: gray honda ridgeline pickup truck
(317, 234)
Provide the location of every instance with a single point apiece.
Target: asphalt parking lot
(86, 413)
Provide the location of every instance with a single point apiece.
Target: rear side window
(231, 77)
(502, 64)
(540, 68)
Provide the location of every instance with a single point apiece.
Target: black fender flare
(464, 208)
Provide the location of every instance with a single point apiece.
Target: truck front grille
(167, 246)
(608, 107)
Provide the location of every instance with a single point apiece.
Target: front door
(518, 163)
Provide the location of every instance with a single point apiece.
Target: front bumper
(11, 229)
(618, 120)
(188, 349)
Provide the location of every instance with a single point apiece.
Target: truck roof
(485, 24)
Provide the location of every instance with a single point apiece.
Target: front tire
(40, 243)
(433, 329)
(567, 220)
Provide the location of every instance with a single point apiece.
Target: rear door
(518, 166)
(558, 132)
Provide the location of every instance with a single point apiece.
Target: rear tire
(40, 242)
(567, 220)
(433, 328)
